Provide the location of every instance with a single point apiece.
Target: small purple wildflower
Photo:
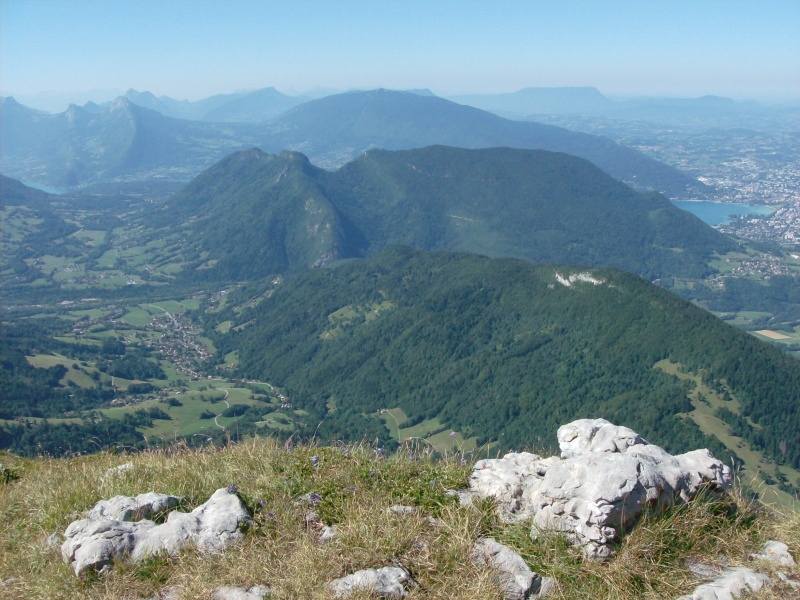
(271, 515)
(432, 483)
(232, 489)
(315, 460)
(288, 447)
(262, 503)
(379, 450)
(463, 460)
(411, 456)
(347, 453)
(351, 488)
(452, 434)
(371, 473)
(314, 498)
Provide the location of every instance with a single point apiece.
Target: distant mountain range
(246, 107)
(558, 100)
(125, 141)
(527, 103)
(255, 214)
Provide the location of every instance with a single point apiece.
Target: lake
(44, 188)
(719, 213)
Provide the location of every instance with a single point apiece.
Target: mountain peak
(121, 103)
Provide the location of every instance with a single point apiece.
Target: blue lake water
(719, 213)
(44, 188)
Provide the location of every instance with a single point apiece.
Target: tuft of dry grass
(353, 487)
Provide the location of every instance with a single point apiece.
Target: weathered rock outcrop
(257, 592)
(97, 541)
(514, 574)
(133, 508)
(607, 477)
(731, 584)
(387, 582)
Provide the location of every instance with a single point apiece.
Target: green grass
(356, 486)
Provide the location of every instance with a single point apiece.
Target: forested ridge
(503, 350)
(254, 214)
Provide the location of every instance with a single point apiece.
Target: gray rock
(54, 540)
(787, 581)
(167, 593)
(731, 584)
(775, 552)
(118, 470)
(240, 593)
(328, 533)
(515, 576)
(599, 490)
(133, 508)
(464, 496)
(399, 509)
(701, 570)
(387, 582)
(94, 543)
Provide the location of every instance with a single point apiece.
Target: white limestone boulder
(731, 584)
(94, 543)
(775, 552)
(133, 508)
(387, 582)
(514, 574)
(606, 479)
(225, 592)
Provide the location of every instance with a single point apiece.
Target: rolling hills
(255, 214)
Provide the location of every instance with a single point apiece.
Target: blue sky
(183, 49)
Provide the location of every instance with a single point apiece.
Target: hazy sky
(192, 49)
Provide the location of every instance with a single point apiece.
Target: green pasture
(80, 377)
(705, 401)
(137, 317)
(277, 420)
(186, 419)
(90, 236)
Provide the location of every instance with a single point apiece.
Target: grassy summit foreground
(353, 487)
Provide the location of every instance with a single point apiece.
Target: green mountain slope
(257, 214)
(504, 350)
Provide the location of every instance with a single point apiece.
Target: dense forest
(505, 351)
(255, 214)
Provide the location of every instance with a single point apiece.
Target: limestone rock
(257, 592)
(400, 509)
(731, 584)
(775, 552)
(515, 576)
(118, 470)
(598, 491)
(327, 533)
(133, 508)
(94, 543)
(387, 582)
